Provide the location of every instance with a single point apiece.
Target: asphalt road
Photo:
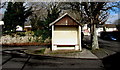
(38, 62)
(111, 51)
(110, 45)
(23, 62)
(105, 44)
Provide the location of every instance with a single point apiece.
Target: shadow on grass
(112, 62)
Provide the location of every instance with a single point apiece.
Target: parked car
(110, 37)
(114, 36)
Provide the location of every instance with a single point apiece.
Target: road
(23, 62)
(110, 45)
(106, 44)
(39, 62)
(109, 52)
(112, 61)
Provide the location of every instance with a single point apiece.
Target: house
(28, 28)
(107, 27)
(110, 27)
(1, 23)
(86, 30)
(66, 33)
(99, 29)
(19, 28)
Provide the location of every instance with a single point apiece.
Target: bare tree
(92, 13)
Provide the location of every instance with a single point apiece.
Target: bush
(47, 40)
(38, 33)
(43, 36)
(7, 32)
(29, 33)
(21, 33)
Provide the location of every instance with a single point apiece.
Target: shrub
(38, 33)
(39, 39)
(21, 33)
(29, 33)
(47, 40)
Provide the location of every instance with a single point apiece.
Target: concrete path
(85, 54)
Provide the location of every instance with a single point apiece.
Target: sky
(111, 19)
(114, 15)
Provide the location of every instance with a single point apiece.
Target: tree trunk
(104, 29)
(118, 27)
(95, 44)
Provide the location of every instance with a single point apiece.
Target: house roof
(66, 14)
(28, 26)
(110, 25)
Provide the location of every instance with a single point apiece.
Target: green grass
(64, 52)
(94, 51)
(58, 52)
(41, 51)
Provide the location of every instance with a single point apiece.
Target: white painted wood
(76, 47)
(65, 48)
(65, 36)
(54, 47)
(80, 48)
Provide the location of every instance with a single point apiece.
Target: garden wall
(8, 39)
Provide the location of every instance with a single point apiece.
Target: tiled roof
(110, 25)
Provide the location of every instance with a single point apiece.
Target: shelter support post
(79, 29)
(54, 47)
